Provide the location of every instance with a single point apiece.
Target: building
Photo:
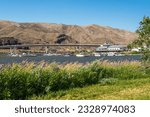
(117, 48)
(103, 47)
(109, 48)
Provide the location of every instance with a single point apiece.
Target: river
(4, 59)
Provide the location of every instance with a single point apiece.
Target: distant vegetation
(22, 81)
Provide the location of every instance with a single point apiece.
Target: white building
(103, 47)
(117, 48)
(111, 48)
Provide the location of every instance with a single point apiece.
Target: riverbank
(27, 80)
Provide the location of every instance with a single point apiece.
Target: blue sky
(122, 14)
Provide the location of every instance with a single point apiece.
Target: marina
(106, 51)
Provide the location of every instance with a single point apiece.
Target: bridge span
(48, 45)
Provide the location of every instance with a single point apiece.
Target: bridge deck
(47, 45)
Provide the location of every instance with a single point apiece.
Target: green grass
(135, 89)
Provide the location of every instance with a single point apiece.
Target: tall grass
(20, 81)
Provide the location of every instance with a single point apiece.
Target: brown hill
(42, 33)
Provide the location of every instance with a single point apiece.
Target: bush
(14, 83)
(20, 81)
(59, 80)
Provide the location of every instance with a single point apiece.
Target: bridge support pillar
(46, 50)
(10, 50)
(13, 50)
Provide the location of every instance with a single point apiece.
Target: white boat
(111, 54)
(66, 55)
(57, 54)
(80, 55)
(14, 55)
(28, 55)
(48, 54)
(119, 55)
(24, 54)
(97, 54)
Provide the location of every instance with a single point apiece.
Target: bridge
(48, 45)
(14, 47)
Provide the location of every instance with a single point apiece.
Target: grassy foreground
(97, 80)
(137, 89)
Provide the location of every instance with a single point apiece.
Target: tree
(144, 33)
(143, 40)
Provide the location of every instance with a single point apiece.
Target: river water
(4, 59)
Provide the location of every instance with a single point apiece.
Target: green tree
(144, 33)
(143, 40)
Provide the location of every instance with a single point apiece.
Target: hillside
(36, 33)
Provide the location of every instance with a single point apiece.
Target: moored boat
(97, 54)
(80, 55)
(15, 55)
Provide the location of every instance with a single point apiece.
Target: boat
(119, 55)
(80, 55)
(97, 54)
(57, 54)
(28, 55)
(111, 54)
(14, 55)
(48, 54)
(114, 54)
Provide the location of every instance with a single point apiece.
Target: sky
(122, 14)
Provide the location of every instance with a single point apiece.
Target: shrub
(14, 83)
(20, 81)
(59, 80)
